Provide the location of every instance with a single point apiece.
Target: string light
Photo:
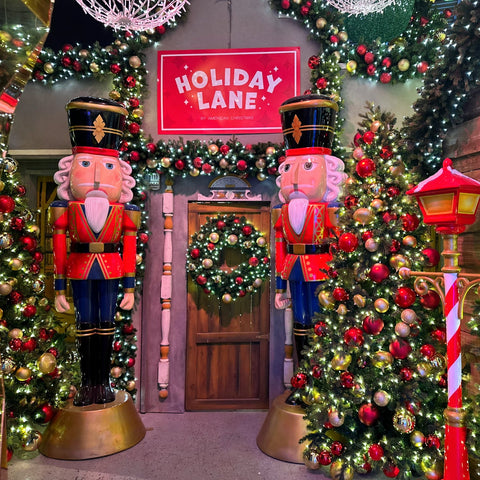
(360, 7)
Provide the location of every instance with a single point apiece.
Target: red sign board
(225, 91)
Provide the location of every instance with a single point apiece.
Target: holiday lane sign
(225, 91)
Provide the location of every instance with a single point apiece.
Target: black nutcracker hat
(96, 125)
(308, 124)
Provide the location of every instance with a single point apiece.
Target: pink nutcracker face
(303, 176)
(95, 173)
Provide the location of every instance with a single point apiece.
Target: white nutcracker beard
(297, 208)
(96, 209)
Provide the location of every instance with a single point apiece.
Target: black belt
(94, 247)
(308, 249)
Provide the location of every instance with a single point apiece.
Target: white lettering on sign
(230, 99)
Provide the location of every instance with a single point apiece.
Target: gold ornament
(138, 259)
(341, 361)
(94, 68)
(310, 459)
(381, 305)
(417, 438)
(15, 333)
(363, 215)
(116, 372)
(32, 442)
(134, 61)
(226, 298)
(377, 204)
(261, 241)
(335, 418)
(375, 125)
(232, 239)
(5, 36)
(371, 245)
(48, 68)
(47, 363)
(207, 263)
(15, 264)
(8, 365)
(326, 299)
(408, 316)
(261, 177)
(399, 261)
(115, 95)
(270, 150)
(260, 163)
(403, 421)
(403, 65)
(402, 329)
(340, 471)
(138, 112)
(432, 468)
(320, 23)
(131, 385)
(381, 398)
(151, 163)
(397, 170)
(382, 359)
(194, 172)
(84, 53)
(166, 162)
(359, 300)
(343, 36)
(213, 149)
(2, 185)
(424, 369)
(257, 283)
(342, 309)
(223, 163)
(214, 237)
(23, 373)
(438, 361)
(409, 241)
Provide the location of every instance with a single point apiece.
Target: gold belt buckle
(95, 247)
(298, 249)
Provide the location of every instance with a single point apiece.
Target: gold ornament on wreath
(205, 257)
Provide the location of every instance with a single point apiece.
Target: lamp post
(449, 200)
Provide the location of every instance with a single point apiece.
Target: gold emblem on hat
(297, 132)
(99, 131)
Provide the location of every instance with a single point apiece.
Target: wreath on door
(205, 257)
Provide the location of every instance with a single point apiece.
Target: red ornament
(299, 380)
(224, 149)
(395, 246)
(391, 470)
(340, 294)
(333, 39)
(375, 452)
(428, 351)
(369, 57)
(337, 448)
(207, 168)
(67, 47)
(320, 329)
(324, 458)
(366, 235)
(442, 381)
(115, 68)
(424, 21)
(385, 77)
(432, 257)
(386, 152)
(432, 441)
(201, 280)
(29, 243)
(387, 62)
(179, 164)
(221, 225)
(348, 242)
(15, 297)
(37, 257)
(316, 371)
(134, 156)
(242, 165)
(128, 329)
(160, 29)
(410, 222)
(117, 346)
(143, 237)
(29, 345)
(365, 167)
(393, 191)
(129, 81)
(368, 414)
(313, 62)
(134, 128)
(29, 311)
(151, 147)
(247, 230)
(368, 137)
(304, 10)
(15, 344)
(134, 102)
(361, 50)
(347, 380)
(379, 272)
(372, 325)
(47, 412)
(130, 362)
(253, 261)
(43, 334)
(448, 13)
(195, 253)
(430, 300)
(7, 204)
(422, 67)
(242, 293)
(405, 297)
(350, 201)
(353, 337)
(388, 217)
(17, 223)
(238, 280)
(66, 61)
(356, 139)
(321, 83)
(440, 335)
(371, 70)
(53, 351)
(400, 348)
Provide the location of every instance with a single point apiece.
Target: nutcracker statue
(309, 182)
(94, 186)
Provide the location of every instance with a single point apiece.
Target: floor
(192, 445)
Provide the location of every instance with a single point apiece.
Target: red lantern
(348, 242)
(368, 414)
(399, 348)
(405, 297)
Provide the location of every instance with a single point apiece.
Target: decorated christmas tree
(36, 357)
(373, 379)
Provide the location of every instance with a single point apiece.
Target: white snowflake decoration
(130, 15)
(359, 7)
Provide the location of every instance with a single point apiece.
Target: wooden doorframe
(206, 350)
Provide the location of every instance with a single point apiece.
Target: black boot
(300, 336)
(104, 393)
(85, 339)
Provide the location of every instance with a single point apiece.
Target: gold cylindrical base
(282, 430)
(78, 433)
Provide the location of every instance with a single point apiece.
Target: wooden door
(228, 344)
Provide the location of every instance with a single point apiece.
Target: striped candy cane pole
(456, 457)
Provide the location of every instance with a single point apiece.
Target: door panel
(228, 344)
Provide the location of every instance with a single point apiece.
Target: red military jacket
(307, 251)
(93, 256)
